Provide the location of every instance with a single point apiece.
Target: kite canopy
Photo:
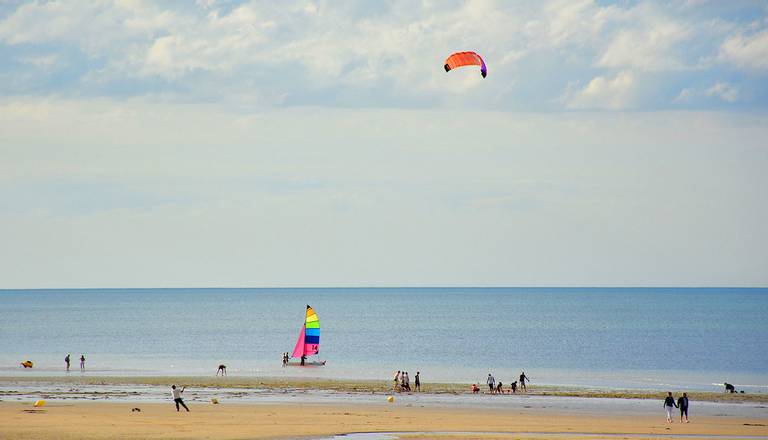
(460, 59)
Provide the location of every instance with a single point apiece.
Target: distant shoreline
(352, 386)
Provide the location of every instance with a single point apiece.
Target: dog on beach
(729, 388)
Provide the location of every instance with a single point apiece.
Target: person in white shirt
(176, 394)
(491, 382)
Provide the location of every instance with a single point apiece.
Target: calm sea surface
(638, 338)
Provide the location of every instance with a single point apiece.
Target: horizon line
(382, 287)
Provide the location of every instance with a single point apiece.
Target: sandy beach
(254, 408)
(86, 420)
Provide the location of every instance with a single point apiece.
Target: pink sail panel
(298, 351)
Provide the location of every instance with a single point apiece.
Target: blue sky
(321, 143)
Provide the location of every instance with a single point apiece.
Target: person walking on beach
(285, 359)
(417, 383)
(396, 385)
(499, 390)
(222, 369)
(82, 362)
(669, 407)
(522, 379)
(176, 394)
(491, 382)
(513, 387)
(682, 403)
(66, 360)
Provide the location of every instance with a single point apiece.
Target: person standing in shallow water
(669, 407)
(682, 403)
(491, 382)
(176, 394)
(417, 382)
(522, 379)
(82, 362)
(66, 360)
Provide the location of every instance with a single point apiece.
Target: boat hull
(306, 364)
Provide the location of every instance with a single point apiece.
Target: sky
(311, 143)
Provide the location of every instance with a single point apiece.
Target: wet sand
(105, 420)
(270, 384)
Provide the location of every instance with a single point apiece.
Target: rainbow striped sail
(309, 337)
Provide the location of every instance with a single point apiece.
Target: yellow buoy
(390, 399)
(39, 403)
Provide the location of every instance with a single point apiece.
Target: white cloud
(614, 93)
(685, 95)
(725, 91)
(45, 62)
(651, 47)
(348, 54)
(746, 51)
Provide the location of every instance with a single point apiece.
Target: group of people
(67, 360)
(402, 382)
(498, 387)
(285, 358)
(670, 405)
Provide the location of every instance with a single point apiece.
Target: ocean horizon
(603, 337)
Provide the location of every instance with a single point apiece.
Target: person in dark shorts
(682, 403)
(66, 360)
(417, 382)
(176, 394)
(491, 381)
(514, 387)
(499, 390)
(522, 379)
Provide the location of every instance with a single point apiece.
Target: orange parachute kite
(460, 59)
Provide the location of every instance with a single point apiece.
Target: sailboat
(309, 341)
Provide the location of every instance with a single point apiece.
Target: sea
(599, 338)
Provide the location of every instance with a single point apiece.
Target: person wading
(491, 381)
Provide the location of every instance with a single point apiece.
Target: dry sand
(101, 420)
